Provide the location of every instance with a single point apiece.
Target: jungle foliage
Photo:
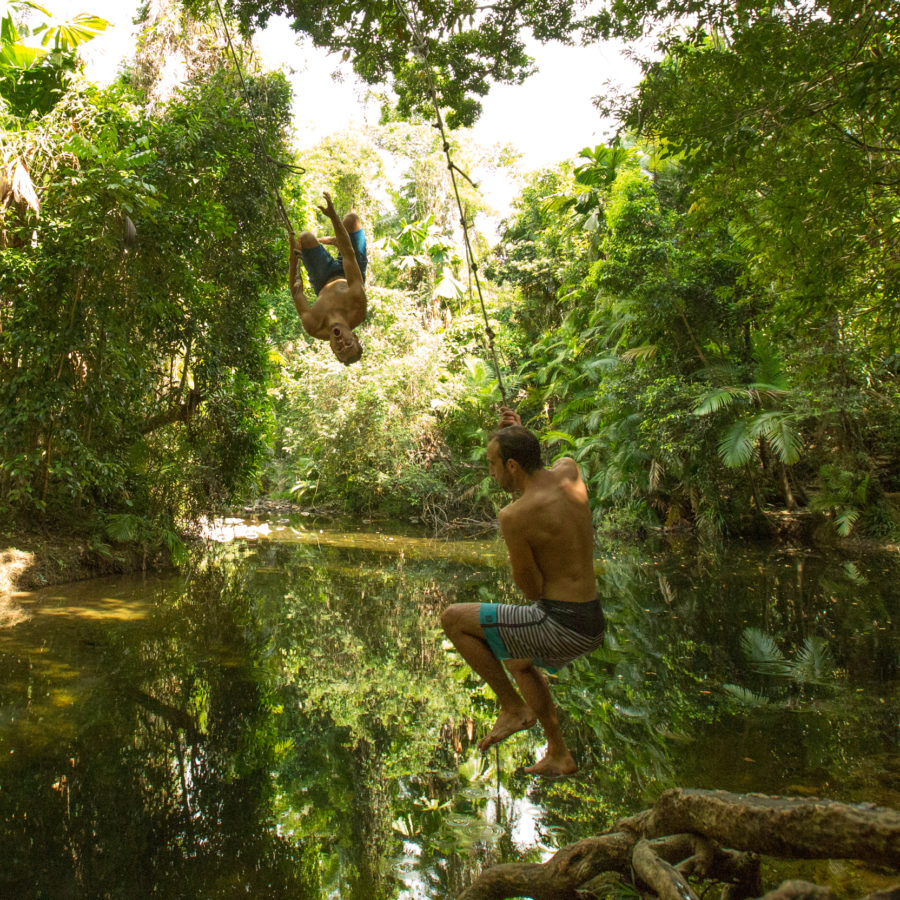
(733, 348)
(704, 312)
(137, 242)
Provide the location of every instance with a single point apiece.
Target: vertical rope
(259, 137)
(499, 804)
(420, 46)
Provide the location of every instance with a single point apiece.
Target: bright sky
(547, 119)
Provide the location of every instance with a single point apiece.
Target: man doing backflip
(549, 533)
(339, 283)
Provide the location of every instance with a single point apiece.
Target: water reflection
(286, 720)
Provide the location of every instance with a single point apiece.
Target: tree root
(709, 835)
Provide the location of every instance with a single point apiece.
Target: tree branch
(181, 412)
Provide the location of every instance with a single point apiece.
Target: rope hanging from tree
(259, 138)
(420, 46)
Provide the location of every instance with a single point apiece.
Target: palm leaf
(736, 448)
(814, 663)
(777, 428)
(645, 351)
(557, 436)
(845, 521)
(762, 652)
(714, 400)
(18, 56)
(747, 698)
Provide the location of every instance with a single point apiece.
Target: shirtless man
(549, 534)
(339, 283)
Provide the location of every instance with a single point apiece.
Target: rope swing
(259, 137)
(420, 48)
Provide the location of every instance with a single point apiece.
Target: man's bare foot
(553, 766)
(508, 723)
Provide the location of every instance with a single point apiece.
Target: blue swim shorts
(549, 633)
(322, 267)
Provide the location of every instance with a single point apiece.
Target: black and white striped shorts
(533, 631)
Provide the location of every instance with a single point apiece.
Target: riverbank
(29, 561)
(32, 560)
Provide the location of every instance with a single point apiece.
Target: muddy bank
(31, 561)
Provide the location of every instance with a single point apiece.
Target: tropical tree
(467, 48)
(133, 364)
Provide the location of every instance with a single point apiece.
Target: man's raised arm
(295, 279)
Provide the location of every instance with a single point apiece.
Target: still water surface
(286, 720)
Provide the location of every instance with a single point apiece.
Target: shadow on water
(288, 722)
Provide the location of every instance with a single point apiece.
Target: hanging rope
(259, 136)
(420, 46)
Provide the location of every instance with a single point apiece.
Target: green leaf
(714, 400)
(549, 436)
(814, 663)
(777, 428)
(748, 698)
(845, 521)
(18, 56)
(762, 652)
(737, 447)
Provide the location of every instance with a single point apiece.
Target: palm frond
(737, 447)
(645, 351)
(714, 400)
(813, 663)
(845, 521)
(763, 653)
(778, 429)
(747, 698)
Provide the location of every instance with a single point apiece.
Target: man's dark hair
(518, 443)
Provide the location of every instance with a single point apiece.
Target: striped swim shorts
(549, 633)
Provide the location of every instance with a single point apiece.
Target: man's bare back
(553, 518)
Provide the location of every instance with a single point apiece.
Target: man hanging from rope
(339, 283)
(549, 534)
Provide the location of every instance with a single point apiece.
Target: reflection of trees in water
(292, 721)
(162, 784)
(651, 709)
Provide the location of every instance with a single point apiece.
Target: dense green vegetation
(703, 313)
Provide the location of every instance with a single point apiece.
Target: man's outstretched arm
(295, 279)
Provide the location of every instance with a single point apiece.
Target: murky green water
(286, 721)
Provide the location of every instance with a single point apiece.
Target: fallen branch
(781, 826)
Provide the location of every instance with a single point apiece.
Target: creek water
(286, 720)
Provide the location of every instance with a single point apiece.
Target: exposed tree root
(709, 835)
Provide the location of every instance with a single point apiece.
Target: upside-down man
(339, 283)
(549, 534)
